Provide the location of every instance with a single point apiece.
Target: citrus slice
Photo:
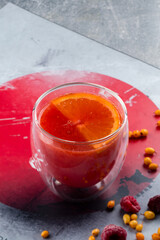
(89, 116)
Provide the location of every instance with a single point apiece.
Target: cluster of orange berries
(138, 134)
(149, 150)
(143, 132)
(148, 161)
(95, 233)
(131, 220)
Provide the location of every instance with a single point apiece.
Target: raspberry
(113, 232)
(154, 204)
(130, 204)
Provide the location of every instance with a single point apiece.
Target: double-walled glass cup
(78, 170)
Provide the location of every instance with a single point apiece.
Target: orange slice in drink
(93, 116)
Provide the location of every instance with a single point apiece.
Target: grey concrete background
(129, 26)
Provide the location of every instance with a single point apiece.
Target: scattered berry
(149, 150)
(130, 204)
(130, 134)
(158, 124)
(111, 204)
(157, 112)
(144, 132)
(91, 238)
(126, 218)
(134, 216)
(113, 232)
(149, 215)
(153, 166)
(139, 227)
(95, 232)
(155, 236)
(154, 204)
(136, 134)
(139, 236)
(147, 161)
(45, 234)
(133, 223)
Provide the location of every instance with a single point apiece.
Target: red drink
(80, 117)
(79, 137)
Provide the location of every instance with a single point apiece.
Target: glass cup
(78, 170)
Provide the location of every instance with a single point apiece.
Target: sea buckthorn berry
(157, 112)
(136, 134)
(126, 218)
(158, 231)
(130, 204)
(111, 204)
(149, 215)
(149, 150)
(95, 232)
(153, 166)
(134, 216)
(45, 234)
(139, 236)
(144, 132)
(155, 236)
(139, 227)
(112, 231)
(158, 124)
(91, 238)
(147, 161)
(130, 134)
(133, 223)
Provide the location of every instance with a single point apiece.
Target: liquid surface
(80, 117)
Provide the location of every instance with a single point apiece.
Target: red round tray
(20, 185)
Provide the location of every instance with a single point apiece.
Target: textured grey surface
(130, 26)
(30, 44)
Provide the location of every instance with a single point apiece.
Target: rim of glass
(79, 142)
